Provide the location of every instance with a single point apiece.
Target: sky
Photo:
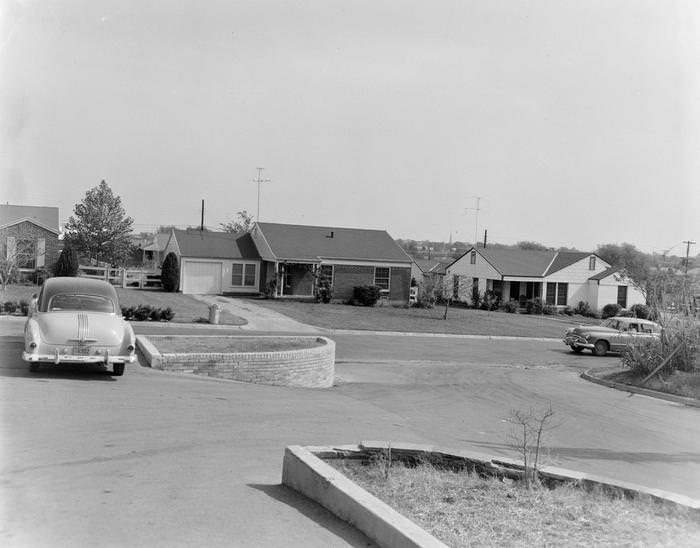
(575, 123)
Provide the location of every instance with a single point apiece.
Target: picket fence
(121, 277)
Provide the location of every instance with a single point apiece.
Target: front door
(514, 294)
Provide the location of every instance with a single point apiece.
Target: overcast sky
(577, 122)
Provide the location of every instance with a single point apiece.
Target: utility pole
(687, 243)
(476, 220)
(259, 180)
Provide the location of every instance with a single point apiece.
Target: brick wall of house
(346, 277)
(26, 229)
(400, 284)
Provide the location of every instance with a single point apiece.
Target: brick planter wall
(306, 367)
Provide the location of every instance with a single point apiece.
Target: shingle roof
(312, 243)
(159, 242)
(564, 259)
(428, 266)
(216, 245)
(43, 216)
(518, 262)
(604, 274)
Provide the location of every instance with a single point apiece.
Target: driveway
(152, 459)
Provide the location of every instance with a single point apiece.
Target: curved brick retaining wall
(306, 367)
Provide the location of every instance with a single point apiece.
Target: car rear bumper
(575, 340)
(69, 358)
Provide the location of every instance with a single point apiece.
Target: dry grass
(679, 383)
(467, 510)
(219, 344)
(460, 320)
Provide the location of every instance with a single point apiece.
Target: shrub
(489, 301)
(476, 297)
(154, 314)
(10, 307)
(24, 307)
(170, 273)
(141, 313)
(511, 306)
(610, 310)
(365, 295)
(324, 289)
(67, 264)
(534, 306)
(583, 308)
(640, 311)
(568, 311)
(549, 309)
(167, 314)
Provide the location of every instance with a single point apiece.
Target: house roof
(216, 245)
(45, 217)
(312, 243)
(604, 274)
(159, 242)
(528, 262)
(428, 266)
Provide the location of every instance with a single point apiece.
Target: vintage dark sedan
(78, 321)
(612, 335)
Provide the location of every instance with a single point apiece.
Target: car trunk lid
(81, 329)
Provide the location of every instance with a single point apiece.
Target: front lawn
(460, 320)
(680, 383)
(187, 309)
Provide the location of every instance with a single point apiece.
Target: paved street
(154, 459)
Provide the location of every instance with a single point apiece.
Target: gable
(314, 243)
(44, 217)
(214, 245)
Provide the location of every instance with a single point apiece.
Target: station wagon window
(243, 274)
(83, 303)
(591, 263)
(381, 277)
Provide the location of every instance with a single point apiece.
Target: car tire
(576, 349)
(33, 367)
(118, 369)
(600, 348)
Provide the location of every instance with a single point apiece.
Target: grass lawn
(467, 510)
(679, 383)
(460, 320)
(187, 309)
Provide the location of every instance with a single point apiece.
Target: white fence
(121, 277)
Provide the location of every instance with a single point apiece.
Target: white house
(557, 277)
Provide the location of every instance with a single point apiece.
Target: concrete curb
(589, 375)
(437, 335)
(149, 351)
(304, 471)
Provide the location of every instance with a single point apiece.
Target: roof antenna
(330, 235)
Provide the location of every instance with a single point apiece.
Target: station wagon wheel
(118, 369)
(577, 349)
(600, 348)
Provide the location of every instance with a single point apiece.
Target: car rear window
(85, 303)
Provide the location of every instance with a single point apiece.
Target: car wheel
(33, 367)
(118, 369)
(577, 349)
(600, 348)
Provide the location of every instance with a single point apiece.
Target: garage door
(202, 277)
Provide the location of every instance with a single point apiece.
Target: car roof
(629, 319)
(54, 286)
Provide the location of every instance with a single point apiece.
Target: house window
(381, 277)
(472, 258)
(551, 293)
(243, 274)
(25, 253)
(327, 272)
(591, 262)
(562, 289)
(622, 295)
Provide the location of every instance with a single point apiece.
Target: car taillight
(130, 348)
(32, 345)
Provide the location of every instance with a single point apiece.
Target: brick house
(29, 237)
(292, 255)
(558, 278)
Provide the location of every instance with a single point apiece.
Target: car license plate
(81, 350)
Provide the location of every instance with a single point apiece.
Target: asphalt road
(153, 459)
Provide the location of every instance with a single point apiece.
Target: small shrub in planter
(154, 315)
(167, 314)
(10, 307)
(640, 311)
(24, 307)
(141, 313)
(366, 295)
(610, 310)
(510, 306)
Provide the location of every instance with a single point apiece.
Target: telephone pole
(259, 180)
(686, 306)
(687, 243)
(476, 220)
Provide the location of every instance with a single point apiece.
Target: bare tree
(529, 428)
(242, 223)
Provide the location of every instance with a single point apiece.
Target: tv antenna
(476, 219)
(259, 180)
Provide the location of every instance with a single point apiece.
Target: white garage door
(202, 277)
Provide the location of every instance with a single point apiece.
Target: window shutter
(40, 252)
(11, 248)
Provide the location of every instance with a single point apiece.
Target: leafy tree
(100, 228)
(170, 273)
(528, 245)
(627, 257)
(67, 264)
(242, 223)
